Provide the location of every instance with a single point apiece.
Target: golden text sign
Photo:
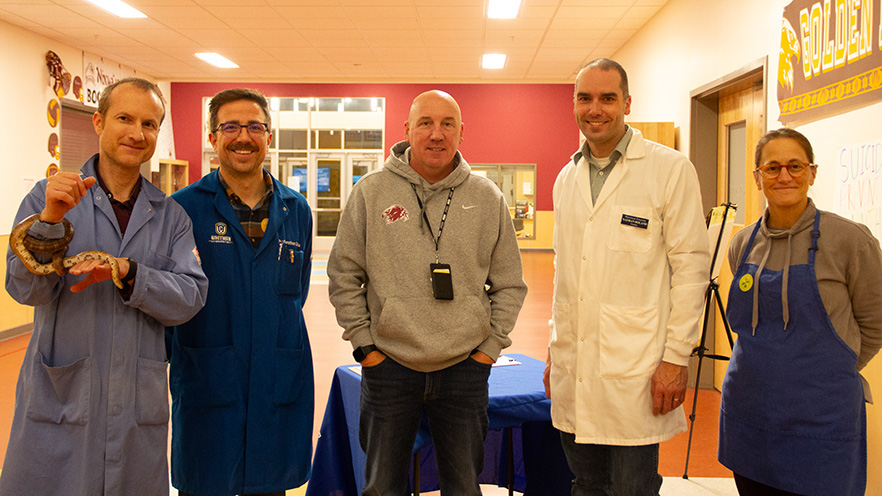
(830, 58)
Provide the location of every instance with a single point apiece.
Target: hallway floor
(530, 337)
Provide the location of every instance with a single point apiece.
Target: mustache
(243, 146)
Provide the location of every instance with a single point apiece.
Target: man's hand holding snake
(63, 192)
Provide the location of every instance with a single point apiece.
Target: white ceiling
(342, 40)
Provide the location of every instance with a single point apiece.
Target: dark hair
(232, 95)
(608, 65)
(784, 132)
(104, 98)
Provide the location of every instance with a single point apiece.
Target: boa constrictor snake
(25, 246)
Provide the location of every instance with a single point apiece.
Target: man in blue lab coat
(241, 370)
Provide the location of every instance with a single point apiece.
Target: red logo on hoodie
(394, 213)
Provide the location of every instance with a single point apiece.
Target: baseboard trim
(16, 331)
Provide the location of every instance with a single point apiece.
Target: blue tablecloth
(517, 401)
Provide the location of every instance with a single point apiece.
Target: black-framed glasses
(233, 129)
(795, 169)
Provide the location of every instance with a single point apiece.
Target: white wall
(691, 43)
(25, 129)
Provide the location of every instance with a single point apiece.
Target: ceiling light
(217, 60)
(118, 8)
(493, 61)
(503, 9)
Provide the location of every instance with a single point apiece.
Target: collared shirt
(598, 169)
(253, 220)
(123, 210)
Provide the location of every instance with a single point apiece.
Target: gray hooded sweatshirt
(380, 282)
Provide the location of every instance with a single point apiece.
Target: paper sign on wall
(859, 184)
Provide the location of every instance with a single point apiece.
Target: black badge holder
(442, 284)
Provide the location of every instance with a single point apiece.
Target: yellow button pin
(746, 282)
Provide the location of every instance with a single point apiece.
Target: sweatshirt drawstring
(784, 283)
(755, 317)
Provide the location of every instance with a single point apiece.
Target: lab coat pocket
(628, 341)
(631, 229)
(210, 376)
(151, 393)
(60, 394)
(290, 271)
(288, 365)
(160, 262)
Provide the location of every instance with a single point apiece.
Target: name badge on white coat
(630, 220)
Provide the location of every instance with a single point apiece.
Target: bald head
(434, 130)
(433, 97)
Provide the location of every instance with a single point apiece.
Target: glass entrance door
(294, 172)
(326, 180)
(359, 165)
(329, 199)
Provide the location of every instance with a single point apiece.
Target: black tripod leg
(725, 320)
(700, 351)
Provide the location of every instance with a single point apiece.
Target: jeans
(603, 470)
(393, 399)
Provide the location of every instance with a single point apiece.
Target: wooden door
(740, 128)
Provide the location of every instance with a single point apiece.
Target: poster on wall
(859, 184)
(830, 58)
(98, 73)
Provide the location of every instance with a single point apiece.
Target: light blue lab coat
(91, 403)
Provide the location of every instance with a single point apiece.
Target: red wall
(509, 123)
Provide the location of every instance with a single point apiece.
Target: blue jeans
(393, 399)
(603, 470)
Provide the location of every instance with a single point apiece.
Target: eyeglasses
(233, 129)
(795, 169)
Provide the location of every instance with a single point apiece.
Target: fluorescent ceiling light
(118, 8)
(503, 9)
(217, 60)
(493, 61)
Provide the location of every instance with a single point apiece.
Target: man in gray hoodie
(425, 276)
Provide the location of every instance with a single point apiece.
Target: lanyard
(429, 225)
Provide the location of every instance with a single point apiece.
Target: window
(518, 185)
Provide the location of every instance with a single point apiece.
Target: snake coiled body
(25, 246)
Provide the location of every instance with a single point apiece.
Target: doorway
(728, 118)
(79, 141)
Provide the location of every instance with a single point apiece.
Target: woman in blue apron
(805, 305)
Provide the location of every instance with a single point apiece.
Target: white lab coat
(631, 272)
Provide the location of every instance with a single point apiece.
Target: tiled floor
(530, 337)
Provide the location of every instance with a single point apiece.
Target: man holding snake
(91, 404)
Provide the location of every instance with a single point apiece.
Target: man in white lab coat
(632, 265)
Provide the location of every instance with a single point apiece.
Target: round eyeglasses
(233, 129)
(795, 169)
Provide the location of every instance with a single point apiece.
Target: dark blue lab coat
(241, 370)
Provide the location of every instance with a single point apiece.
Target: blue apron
(792, 413)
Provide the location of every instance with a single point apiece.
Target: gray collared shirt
(599, 174)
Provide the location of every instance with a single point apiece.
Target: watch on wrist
(362, 352)
(129, 280)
